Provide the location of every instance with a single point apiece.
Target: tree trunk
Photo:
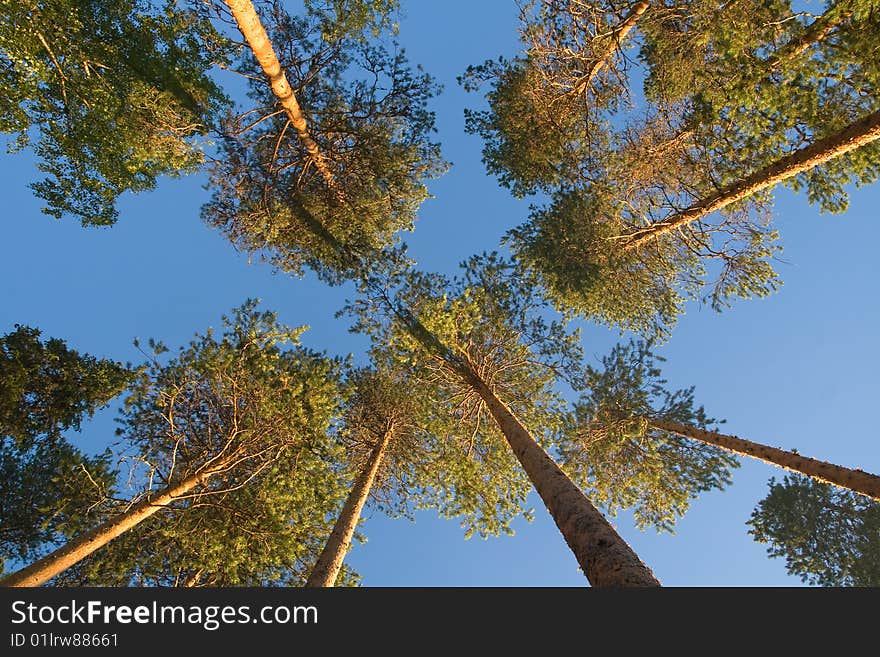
(814, 33)
(617, 38)
(255, 34)
(329, 564)
(83, 545)
(604, 557)
(857, 481)
(861, 133)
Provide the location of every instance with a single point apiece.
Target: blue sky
(795, 370)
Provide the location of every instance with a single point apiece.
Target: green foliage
(570, 247)
(117, 90)
(248, 394)
(49, 492)
(357, 19)
(46, 387)
(48, 488)
(828, 536)
(529, 142)
(243, 391)
(613, 451)
(366, 109)
(567, 249)
(253, 407)
(546, 128)
(267, 533)
(377, 402)
(486, 319)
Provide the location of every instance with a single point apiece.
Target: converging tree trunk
(82, 546)
(252, 29)
(606, 559)
(857, 481)
(330, 561)
(861, 133)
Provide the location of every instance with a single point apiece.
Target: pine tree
(664, 196)
(412, 446)
(483, 339)
(639, 444)
(386, 448)
(856, 480)
(116, 92)
(49, 489)
(266, 533)
(211, 421)
(334, 156)
(614, 450)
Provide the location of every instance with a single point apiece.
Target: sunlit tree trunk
(861, 133)
(252, 29)
(85, 544)
(605, 558)
(330, 561)
(857, 481)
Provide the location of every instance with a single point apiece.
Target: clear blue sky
(795, 370)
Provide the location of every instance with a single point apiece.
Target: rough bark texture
(83, 545)
(861, 133)
(857, 481)
(617, 38)
(604, 557)
(255, 34)
(329, 564)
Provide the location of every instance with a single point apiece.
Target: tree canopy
(828, 536)
(253, 408)
(49, 489)
(613, 450)
(369, 123)
(116, 94)
(734, 102)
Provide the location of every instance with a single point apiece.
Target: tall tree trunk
(255, 34)
(857, 481)
(83, 545)
(617, 38)
(861, 133)
(329, 564)
(604, 557)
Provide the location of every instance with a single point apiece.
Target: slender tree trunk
(83, 545)
(857, 481)
(604, 557)
(861, 133)
(255, 34)
(815, 32)
(329, 564)
(617, 37)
